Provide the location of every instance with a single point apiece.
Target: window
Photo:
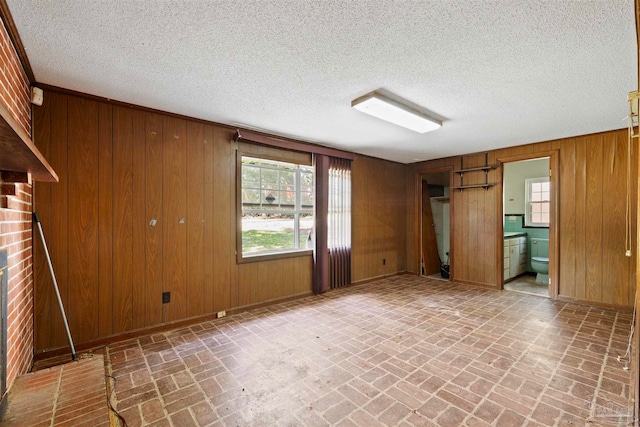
(277, 202)
(339, 205)
(537, 202)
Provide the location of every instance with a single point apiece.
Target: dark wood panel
(244, 284)
(224, 201)
(634, 291)
(253, 277)
(376, 249)
(474, 220)
(57, 234)
(489, 228)
(581, 217)
(396, 230)
(360, 207)
(276, 279)
(232, 227)
(195, 219)
(122, 219)
(568, 219)
(594, 218)
(633, 267)
(209, 219)
(304, 277)
(174, 206)
(458, 208)
(299, 272)
(83, 218)
(615, 265)
(263, 282)
(378, 218)
(139, 303)
(105, 220)
(43, 295)
(288, 276)
(153, 207)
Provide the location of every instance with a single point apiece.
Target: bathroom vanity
(515, 254)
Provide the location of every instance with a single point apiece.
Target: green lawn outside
(265, 240)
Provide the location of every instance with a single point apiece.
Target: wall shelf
(486, 168)
(19, 155)
(481, 168)
(485, 186)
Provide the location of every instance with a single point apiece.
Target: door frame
(554, 250)
(417, 241)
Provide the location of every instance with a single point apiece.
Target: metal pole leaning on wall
(36, 220)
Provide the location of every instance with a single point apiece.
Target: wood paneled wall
(636, 174)
(592, 266)
(121, 167)
(379, 219)
(473, 222)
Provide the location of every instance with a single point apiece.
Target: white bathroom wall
(515, 174)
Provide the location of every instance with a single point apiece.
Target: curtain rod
(249, 136)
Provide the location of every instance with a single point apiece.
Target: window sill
(273, 256)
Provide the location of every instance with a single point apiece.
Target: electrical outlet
(222, 314)
(384, 261)
(166, 297)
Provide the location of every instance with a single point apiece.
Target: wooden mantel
(18, 153)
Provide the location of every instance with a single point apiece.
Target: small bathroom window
(537, 202)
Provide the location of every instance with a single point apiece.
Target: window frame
(528, 202)
(267, 255)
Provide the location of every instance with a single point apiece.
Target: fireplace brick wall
(14, 84)
(15, 220)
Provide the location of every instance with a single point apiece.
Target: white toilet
(540, 259)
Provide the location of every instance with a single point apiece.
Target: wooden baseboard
(103, 342)
(383, 276)
(472, 283)
(579, 301)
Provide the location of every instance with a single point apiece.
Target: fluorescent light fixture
(382, 107)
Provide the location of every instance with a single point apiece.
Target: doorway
(527, 218)
(435, 225)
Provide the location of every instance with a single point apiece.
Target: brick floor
(403, 351)
(73, 394)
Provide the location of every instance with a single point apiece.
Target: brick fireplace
(3, 330)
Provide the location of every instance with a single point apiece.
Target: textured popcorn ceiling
(500, 73)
